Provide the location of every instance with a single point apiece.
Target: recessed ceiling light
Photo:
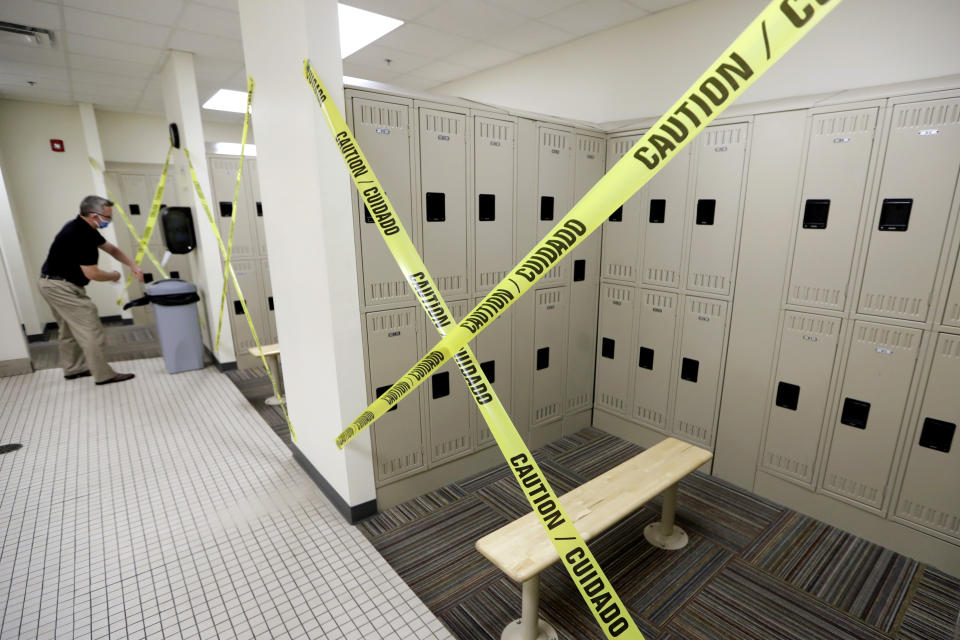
(227, 100)
(233, 149)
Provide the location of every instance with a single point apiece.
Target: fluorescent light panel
(227, 100)
(233, 149)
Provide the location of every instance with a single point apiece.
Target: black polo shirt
(77, 244)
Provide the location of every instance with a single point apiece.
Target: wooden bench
(522, 548)
(271, 352)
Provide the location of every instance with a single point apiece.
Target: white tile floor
(164, 507)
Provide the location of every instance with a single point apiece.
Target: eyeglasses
(107, 218)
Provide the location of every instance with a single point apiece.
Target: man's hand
(137, 271)
(116, 276)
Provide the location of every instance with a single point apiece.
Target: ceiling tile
(443, 71)
(112, 49)
(415, 82)
(98, 25)
(214, 72)
(108, 65)
(213, 46)
(657, 5)
(590, 16)
(472, 20)
(534, 36)
(421, 40)
(400, 61)
(533, 8)
(113, 80)
(38, 72)
(104, 93)
(482, 56)
(34, 14)
(401, 9)
(204, 19)
(162, 12)
(22, 53)
(227, 5)
(367, 72)
(36, 95)
(17, 80)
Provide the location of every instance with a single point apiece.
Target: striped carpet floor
(753, 570)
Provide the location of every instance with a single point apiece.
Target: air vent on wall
(31, 36)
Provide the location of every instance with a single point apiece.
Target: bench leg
(275, 368)
(665, 534)
(529, 626)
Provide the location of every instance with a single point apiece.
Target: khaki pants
(81, 334)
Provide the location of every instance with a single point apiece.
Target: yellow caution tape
(233, 211)
(239, 292)
(610, 612)
(778, 27)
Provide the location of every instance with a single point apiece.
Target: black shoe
(120, 377)
(74, 376)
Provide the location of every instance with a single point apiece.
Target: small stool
(272, 353)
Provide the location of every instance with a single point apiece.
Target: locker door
(614, 347)
(555, 192)
(584, 286)
(663, 221)
(929, 495)
(549, 353)
(248, 275)
(951, 315)
(808, 346)
(251, 179)
(223, 178)
(141, 315)
(398, 441)
(701, 349)
(169, 197)
(448, 405)
(867, 422)
(916, 190)
(495, 355)
(270, 324)
(178, 266)
(833, 189)
(653, 358)
(621, 231)
(443, 175)
(716, 207)
(137, 198)
(493, 216)
(383, 131)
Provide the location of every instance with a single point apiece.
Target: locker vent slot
(937, 434)
(611, 401)
(579, 270)
(441, 384)
(714, 136)
(786, 465)
(449, 283)
(237, 308)
(493, 131)
(929, 114)
(589, 145)
(881, 303)
(944, 521)
(134, 209)
(690, 369)
(552, 275)
(400, 464)
(390, 321)
(803, 323)
(174, 274)
(706, 209)
(225, 209)
(616, 216)
(658, 211)
(381, 114)
(658, 301)
(662, 276)
(543, 358)
(856, 122)
(853, 489)
(953, 313)
(546, 207)
(366, 215)
(487, 207)
(260, 209)
(788, 395)
(622, 145)
(855, 413)
(270, 303)
(646, 358)
(703, 307)
(552, 140)
(816, 295)
(617, 293)
(607, 348)
(815, 214)
(380, 392)
(438, 123)
(489, 370)
(885, 336)
(383, 291)
(650, 416)
(700, 435)
(546, 411)
(620, 271)
(710, 281)
(578, 401)
(449, 447)
(895, 214)
(436, 207)
(490, 278)
(147, 277)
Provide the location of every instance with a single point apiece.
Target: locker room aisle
(162, 508)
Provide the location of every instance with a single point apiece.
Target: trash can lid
(169, 286)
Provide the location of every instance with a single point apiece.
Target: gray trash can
(178, 325)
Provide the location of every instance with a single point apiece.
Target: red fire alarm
(56, 145)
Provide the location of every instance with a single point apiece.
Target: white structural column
(14, 265)
(310, 239)
(91, 136)
(182, 106)
(14, 357)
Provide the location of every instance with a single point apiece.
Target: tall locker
(270, 318)
(493, 200)
(252, 182)
(913, 207)
(554, 191)
(951, 315)
(223, 178)
(614, 347)
(838, 159)
(663, 222)
(716, 207)
(443, 198)
(867, 422)
(808, 347)
(584, 285)
(448, 405)
(398, 438)
(653, 361)
(928, 495)
(701, 351)
(549, 353)
(134, 198)
(621, 231)
(383, 130)
(494, 351)
(248, 275)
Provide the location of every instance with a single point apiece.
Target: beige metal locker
(248, 275)
(701, 352)
(270, 318)
(584, 285)
(383, 130)
(929, 495)
(808, 347)
(398, 438)
(653, 358)
(621, 231)
(916, 190)
(951, 315)
(493, 200)
(716, 207)
(549, 353)
(443, 198)
(448, 405)
(494, 351)
(614, 347)
(867, 421)
(251, 181)
(663, 221)
(834, 187)
(554, 191)
(178, 266)
(223, 178)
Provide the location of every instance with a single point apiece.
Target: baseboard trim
(15, 367)
(351, 514)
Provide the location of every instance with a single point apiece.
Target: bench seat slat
(268, 350)
(522, 549)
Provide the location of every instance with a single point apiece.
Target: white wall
(136, 137)
(641, 68)
(13, 345)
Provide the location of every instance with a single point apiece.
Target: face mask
(104, 223)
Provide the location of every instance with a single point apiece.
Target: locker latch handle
(259, 209)
(788, 395)
(441, 384)
(855, 413)
(366, 215)
(546, 207)
(815, 214)
(237, 308)
(226, 208)
(134, 209)
(579, 270)
(937, 434)
(380, 391)
(706, 210)
(616, 216)
(543, 358)
(147, 277)
(174, 274)
(436, 207)
(646, 358)
(690, 369)
(489, 370)
(895, 214)
(607, 347)
(270, 302)
(658, 211)
(487, 207)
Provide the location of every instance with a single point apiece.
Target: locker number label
(555, 151)
(841, 140)
(383, 131)
(703, 318)
(441, 136)
(929, 132)
(886, 352)
(720, 149)
(495, 143)
(590, 156)
(617, 302)
(809, 338)
(656, 309)
(393, 334)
